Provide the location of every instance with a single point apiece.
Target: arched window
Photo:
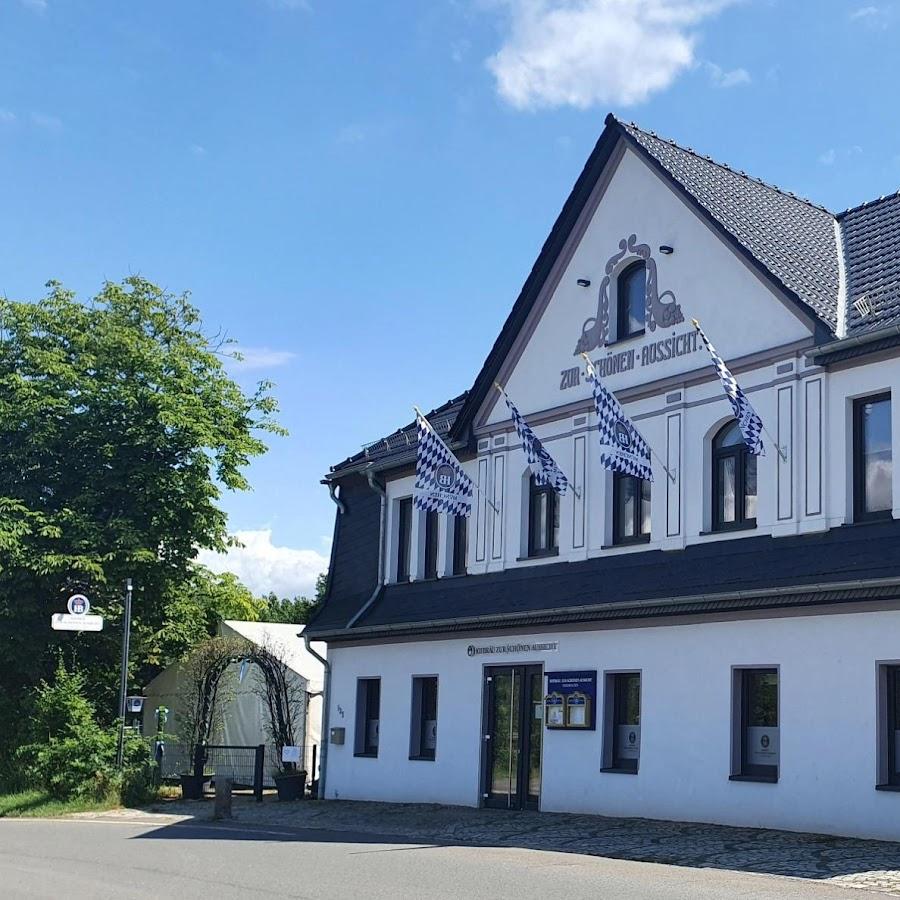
(543, 519)
(733, 481)
(631, 289)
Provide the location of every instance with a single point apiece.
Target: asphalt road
(94, 859)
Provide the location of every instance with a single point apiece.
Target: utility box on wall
(337, 735)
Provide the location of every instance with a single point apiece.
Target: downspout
(332, 487)
(326, 685)
(326, 694)
(370, 475)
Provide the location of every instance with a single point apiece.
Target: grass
(36, 803)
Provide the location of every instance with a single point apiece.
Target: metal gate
(246, 766)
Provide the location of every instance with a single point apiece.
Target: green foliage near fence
(71, 756)
(120, 427)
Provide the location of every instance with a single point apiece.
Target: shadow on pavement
(683, 844)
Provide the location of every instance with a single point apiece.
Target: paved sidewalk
(873, 865)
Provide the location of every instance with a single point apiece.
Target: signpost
(123, 678)
(77, 618)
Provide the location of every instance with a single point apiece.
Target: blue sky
(356, 191)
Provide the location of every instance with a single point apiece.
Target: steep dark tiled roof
(791, 237)
(756, 571)
(399, 448)
(871, 235)
(788, 239)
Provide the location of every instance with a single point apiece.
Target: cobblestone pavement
(873, 865)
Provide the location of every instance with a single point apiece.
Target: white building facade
(719, 645)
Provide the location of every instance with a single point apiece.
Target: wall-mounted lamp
(584, 282)
(665, 248)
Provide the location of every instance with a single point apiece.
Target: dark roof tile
(750, 565)
(399, 448)
(790, 237)
(871, 235)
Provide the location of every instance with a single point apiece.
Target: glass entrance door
(511, 755)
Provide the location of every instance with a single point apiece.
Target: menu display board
(571, 700)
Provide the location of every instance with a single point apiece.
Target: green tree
(71, 754)
(119, 429)
(194, 609)
(298, 610)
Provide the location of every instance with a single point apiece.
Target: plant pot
(192, 786)
(290, 785)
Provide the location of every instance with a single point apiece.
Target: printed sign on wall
(571, 700)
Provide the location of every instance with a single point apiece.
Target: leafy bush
(71, 756)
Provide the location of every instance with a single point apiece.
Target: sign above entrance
(571, 700)
(496, 649)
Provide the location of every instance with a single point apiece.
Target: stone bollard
(222, 809)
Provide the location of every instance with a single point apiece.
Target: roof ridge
(739, 172)
(866, 203)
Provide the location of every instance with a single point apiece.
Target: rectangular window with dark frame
(460, 545)
(431, 544)
(368, 716)
(404, 537)
(889, 727)
(631, 509)
(423, 722)
(755, 725)
(543, 520)
(622, 726)
(872, 458)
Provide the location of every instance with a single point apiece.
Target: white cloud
(7, 117)
(47, 123)
(37, 5)
(264, 567)
(586, 52)
(877, 17)
(832, 154)
(260, 358)
(727, 79)
(198, 150)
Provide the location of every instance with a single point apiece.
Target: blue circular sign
(78, 605)
(445, 476)
(623, 435)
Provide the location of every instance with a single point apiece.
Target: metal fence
(248, 767)
(245, 766)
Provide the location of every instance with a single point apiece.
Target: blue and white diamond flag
(748, 421)
(543, 466)
(622, 448)
(441, 484)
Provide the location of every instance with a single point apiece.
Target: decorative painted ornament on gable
(657, 312)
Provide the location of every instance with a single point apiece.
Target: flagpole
(781, 452)
(568, 480)
(666, 469)
(484, 496)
